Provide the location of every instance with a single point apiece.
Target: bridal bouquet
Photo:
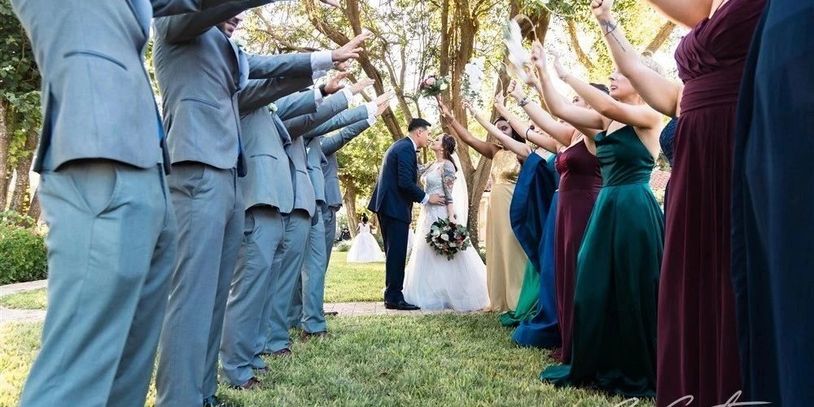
(432, 86)
(447, 238)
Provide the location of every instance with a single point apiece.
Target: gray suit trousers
(262, 237)
(210, 223)
(111, 244)
(284, 274)
(313, 277)
(329, 219)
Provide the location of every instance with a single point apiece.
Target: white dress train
(431, 281)
(365, 248)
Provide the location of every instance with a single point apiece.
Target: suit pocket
(203, 102)
(95, 54)
(260, 156)
(96, 184)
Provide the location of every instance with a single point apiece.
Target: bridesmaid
(697, 356)
(533, 212)
(580, 183)
(542, 330)
(505, 259)
(614, 332)
(772, 219)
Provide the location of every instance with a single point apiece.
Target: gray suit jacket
(269, 179)
(331, 144)
(316, 158)
(200, 72)
(110, 113)
(330, 107)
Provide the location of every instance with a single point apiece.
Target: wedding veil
(460, 194)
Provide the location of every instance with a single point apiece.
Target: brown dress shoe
(251, 384)
(284, 352)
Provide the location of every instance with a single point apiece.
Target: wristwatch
(523, 102)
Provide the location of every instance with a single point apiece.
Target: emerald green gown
(615, 298)
(527, 301)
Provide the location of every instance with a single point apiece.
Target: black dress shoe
(252, 383)
(401, 306)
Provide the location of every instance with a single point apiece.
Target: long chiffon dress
(773, 260)
(580, 183)
(698, 347)
(614, 323)
(505, 259)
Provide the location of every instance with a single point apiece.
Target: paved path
(345, 309)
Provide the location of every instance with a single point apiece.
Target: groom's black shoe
(401, 306)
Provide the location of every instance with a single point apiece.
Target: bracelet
(527, 132)
(523, 102)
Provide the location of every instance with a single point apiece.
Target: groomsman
(312, 277)
(111, 239)
(201, 117)
(268, 194)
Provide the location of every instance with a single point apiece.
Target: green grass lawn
(344, 283)
(436, 360)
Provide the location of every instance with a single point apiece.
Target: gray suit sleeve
(295, 105)
(337, 122)
(259, 93)
(331, 144)
(267, 66)
(330, 107)
(185, 27)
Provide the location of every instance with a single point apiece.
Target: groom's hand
(436, 200)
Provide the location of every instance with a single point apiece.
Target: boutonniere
(272, 108)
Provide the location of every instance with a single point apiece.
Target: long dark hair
(364, 219)
(448, 144)
(516, 136)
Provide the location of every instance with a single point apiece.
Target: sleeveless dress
(580, 183)
(535, 187)
(365, 248)
(773, 260)
(614, 324)
(505, 259)
(542, 330)
(431, 281)
(698, 348)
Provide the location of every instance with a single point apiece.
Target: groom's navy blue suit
(393, 197)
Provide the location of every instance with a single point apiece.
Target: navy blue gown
(542, 331)
(772, 219)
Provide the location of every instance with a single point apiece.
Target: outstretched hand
(561, 72)
(515, 90)
(358, 87)
(352, 49)
(443, 107)
(335, 83)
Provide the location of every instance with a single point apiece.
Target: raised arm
(579, 117)
(685, 12)
(659, 92)
(296, 104)
(185, 27)
(333, 143)
(635, 115)
(561, 132)
(521, 149)
(268, 66)
(344, 118)
(485, 148)
(258, 93)
(330, 107)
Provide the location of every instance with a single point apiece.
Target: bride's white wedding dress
(364, 248)
(430, 280)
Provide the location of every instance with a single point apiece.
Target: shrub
(343, 246)
(22, 255)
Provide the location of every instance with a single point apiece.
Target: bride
(431, 281)
(364, 248)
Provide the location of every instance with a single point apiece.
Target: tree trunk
(661, 37)
(21, 197)
(35, 210)
(5, 136)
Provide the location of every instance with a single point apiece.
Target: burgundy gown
(580, 182)
(697, 341)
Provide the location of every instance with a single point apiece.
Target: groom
(392, 201)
